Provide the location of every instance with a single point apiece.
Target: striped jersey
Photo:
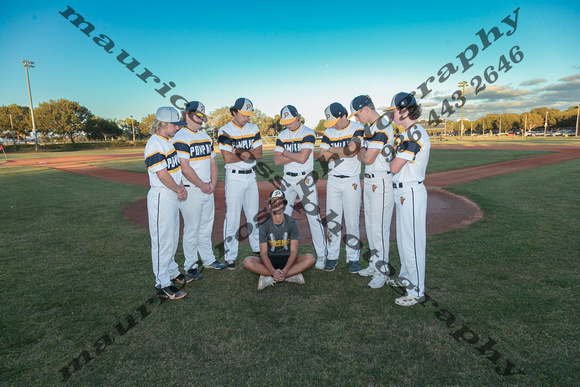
(160, 154)
(379, 136)
(231, 136)
(301, 138)
(196, 147)
(347, 166)
(414, 146)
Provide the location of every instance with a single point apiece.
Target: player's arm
(285, 157)
(213, 172)
(265, 259)
(368, 156)
(245, 154)
(397, 164)
(168, 181)
(293, 256)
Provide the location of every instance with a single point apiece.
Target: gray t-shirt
(278, 237)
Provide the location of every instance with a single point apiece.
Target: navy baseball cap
(198, 108)
(288, 114)
(333, 112)
(402, 100)
(244, 106)
(277, 194)
(358, 103)
(169, 114)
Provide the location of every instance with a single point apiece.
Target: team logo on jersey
(355, 186)
(374, 188)
(307, 180)
(402, 200)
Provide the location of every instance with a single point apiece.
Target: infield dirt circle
(445, 211)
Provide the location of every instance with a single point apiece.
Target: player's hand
(206, 188)
(183, 194)
(279, 275)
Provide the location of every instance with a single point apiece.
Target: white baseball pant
(378, 201)
(411, 204)
(304, 186)
(241, 193)
(343, 196)
(163, 213)
(198, 212)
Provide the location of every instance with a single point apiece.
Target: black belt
(295, 174)
(340, 176)
(243, 171)
(401, 185)
(371, 175)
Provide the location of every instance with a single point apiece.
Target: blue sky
(308, 54)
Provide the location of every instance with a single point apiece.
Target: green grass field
(77, 286)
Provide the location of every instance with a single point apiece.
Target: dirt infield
(445, 211)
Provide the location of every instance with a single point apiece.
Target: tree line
(60, 120)
(511, 122)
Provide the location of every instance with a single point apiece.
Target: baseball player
(294, 147)
(278, 260)
(378, 194)
(200, 173)
(240, 144)
(162, 202)
(343, 192)
(408, 167)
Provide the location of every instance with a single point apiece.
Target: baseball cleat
(194, 274)
(409, 300)
(330, 264)
(320, 263)
(215, 265)
(297, 279)
(183, 279)
(231, 265)
(264, 282)
(354, 266)
(369, 271)
(378, 281)
(170, 292)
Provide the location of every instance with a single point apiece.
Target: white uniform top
(346, 166)
(197, 147)
(380, 135)
(301, 138)
(231, 136)
(414, 146)
(160, 154)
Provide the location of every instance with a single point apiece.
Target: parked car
(568, 133)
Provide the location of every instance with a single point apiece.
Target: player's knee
(309, 258)
(248, 263)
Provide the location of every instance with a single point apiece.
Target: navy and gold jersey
(160, 154)
(380, 135)
(415, 147)
(294, 142)
(231, 136)
(197, 149)
(346, 166)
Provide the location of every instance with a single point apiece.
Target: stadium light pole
(30, 64)
(133, 128)
(577, 116)
(462, 85)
